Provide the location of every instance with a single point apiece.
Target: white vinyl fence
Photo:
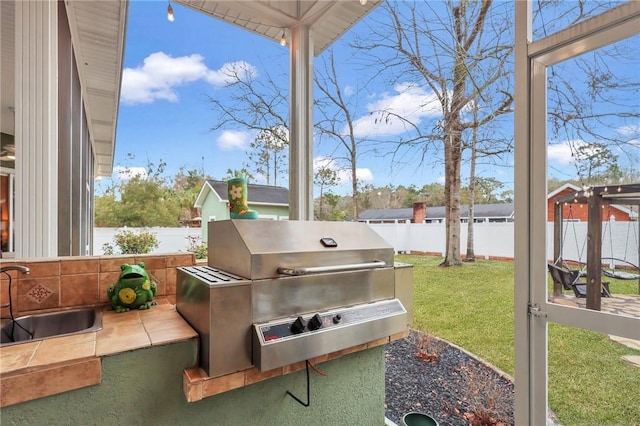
(619, 239)
(171, 240)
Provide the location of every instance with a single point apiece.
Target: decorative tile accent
(39, 293)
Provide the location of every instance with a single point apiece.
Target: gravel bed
(428, 375)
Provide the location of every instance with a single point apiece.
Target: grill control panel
(287, 340)
(326, 321)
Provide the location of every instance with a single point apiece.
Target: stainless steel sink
(53, 324)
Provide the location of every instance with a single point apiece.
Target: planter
(417, 419)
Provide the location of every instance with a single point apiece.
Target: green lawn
(472, 306)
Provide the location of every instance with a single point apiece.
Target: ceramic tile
(114, 344)
(159, 319)
(68, 340)
(111, 319)
(171, 281)
(50, 381)
(192, 388)
(63, 352)
(79, 289)
(223, 384)
(195, 374)
(113, 263)
(152, 262)
(42, 269)
(106, 279)
(79, 265)
(287, 369)
(175, 260)
(120, 330)
(254, 375)
(378, 342)
(15, 357)
(171, 335)
(158, 276)
(352, 349)
(38, 293)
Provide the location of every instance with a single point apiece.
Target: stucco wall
(145, 387)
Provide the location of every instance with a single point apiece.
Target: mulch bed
(428, 375)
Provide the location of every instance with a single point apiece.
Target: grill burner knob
(298, 326)
(315, 322)
(337, 318)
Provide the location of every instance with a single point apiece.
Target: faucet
(20, 268)
(6, 270)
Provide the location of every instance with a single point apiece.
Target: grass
(472, 306)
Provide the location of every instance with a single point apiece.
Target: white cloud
(561, 152)
(630, 130)
(126, 173)
(160, 74)
(348, 91)
(410, 101)
(230, 72)
(441, 180)
(364, 175)
(344, 173)
(233, 139)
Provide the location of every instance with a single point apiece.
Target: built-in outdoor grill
(278, 292)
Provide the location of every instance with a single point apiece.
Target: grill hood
(260, 249)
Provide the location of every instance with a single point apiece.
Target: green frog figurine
(134, 289)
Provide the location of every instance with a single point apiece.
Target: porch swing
(618, 273)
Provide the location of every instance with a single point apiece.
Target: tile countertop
(21, 363)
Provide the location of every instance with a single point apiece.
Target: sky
(172, 68)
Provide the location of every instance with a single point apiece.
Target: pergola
(595, 197)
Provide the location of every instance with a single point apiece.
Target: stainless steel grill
(279, 292)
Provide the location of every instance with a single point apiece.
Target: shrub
(131, 243)
(197, 247)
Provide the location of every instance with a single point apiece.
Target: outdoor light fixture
(363, 2)
(170, 16)
(283, 40)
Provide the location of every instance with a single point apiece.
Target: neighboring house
(579, 212)
(271, 202)
(503, 212)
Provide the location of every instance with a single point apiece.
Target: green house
(271, 202)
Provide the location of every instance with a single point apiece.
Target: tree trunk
(452, 152)
(471, 255)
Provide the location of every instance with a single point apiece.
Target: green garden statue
(238, 207)
(134, 289)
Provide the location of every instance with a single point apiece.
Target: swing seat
(620, 275)
(570, 281)
(623, 274)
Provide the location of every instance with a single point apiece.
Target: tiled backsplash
(65, 282)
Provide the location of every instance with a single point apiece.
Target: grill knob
(298, 326)
(315, 322)
(337, 318)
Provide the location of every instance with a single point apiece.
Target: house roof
(258, 194)
(503, 210)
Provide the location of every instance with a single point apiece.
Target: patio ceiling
(98, 32)
(327, 19)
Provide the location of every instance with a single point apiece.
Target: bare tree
(325, 177)
(337, 121)
(268, 152)
(460, 51)
(259, 104)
